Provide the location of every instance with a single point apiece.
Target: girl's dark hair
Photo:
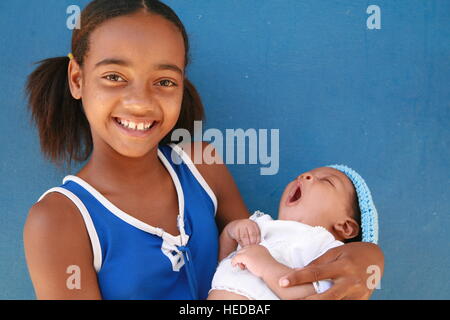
(64, 131)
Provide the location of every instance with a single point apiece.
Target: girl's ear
(75, 83)
(346, 229)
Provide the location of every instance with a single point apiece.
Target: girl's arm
(355, 268)
(231, 206)
(272, 277)
(58, 251)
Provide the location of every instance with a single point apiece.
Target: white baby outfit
(291, 243)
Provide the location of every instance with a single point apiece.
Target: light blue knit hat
(369, 214)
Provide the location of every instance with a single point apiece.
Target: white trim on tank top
(188, 161)
(169, 241)
(179, 240)
(95, 243)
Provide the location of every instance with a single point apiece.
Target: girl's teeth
(135, 126)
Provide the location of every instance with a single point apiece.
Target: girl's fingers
(336, 292)
(312, 273)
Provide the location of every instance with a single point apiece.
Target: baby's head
(335, 198)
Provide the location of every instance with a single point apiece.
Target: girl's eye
(167, 83)
(114, 78)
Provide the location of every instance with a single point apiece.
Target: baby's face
(319, 197)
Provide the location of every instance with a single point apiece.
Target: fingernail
(284, 282)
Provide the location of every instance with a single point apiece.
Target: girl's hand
(244, 231)
(348, 267)
(255, 258)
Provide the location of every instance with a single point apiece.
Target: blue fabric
(133, 265)
(369, 214)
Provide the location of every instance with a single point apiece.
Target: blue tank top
(137, 261)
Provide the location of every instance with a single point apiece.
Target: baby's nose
(306, 176)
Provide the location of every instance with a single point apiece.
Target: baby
(319, 210)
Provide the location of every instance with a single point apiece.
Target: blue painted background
(377, 100)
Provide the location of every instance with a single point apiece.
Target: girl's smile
(133, 82)
(136, 128)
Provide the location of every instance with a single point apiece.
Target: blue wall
(377, 100)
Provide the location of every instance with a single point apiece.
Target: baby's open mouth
(295, 194)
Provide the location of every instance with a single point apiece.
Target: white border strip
(196, 174)
(95, 243)
(121, 214)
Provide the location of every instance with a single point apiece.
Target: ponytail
(64, 131)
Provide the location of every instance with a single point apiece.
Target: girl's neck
(109, 171)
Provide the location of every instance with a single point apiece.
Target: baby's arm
(258, 260)
(243, 232)
(226, 244)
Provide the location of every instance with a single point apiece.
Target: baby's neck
(329, 229)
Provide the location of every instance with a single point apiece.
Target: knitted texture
(369, 214)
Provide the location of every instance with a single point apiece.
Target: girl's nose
(140, 97)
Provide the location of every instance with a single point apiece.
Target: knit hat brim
(369, 214)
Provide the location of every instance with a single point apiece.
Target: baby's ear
(346, 229)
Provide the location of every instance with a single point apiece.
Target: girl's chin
(135, 152)
(135, 147)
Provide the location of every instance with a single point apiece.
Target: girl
(132, 223)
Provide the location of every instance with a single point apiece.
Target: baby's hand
(256, 259)
(245, 232)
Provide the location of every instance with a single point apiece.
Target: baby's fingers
(255, 235)
(244, 237)
(236, 261)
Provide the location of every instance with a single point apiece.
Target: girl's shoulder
(54, 208)
(216, 174)
(55, 221)
(206, 160)
(55, 240)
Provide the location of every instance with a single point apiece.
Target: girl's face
(131, 83)
(319, 197)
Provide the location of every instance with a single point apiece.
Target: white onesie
(291, 243)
